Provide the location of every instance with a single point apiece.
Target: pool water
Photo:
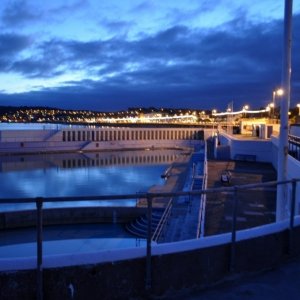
(67, 239)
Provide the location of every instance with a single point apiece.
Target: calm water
(75, 174)
(81, 175)
(67, 239)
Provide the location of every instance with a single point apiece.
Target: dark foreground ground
(281, 283)
(256, 207)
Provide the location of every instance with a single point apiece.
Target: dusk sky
(113, 54)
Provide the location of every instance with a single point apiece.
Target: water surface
(79, 174)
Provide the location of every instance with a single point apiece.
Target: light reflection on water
(82, 175)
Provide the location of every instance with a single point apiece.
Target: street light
(278, 92)
(214, 111)
(245, 108)
(271, 109)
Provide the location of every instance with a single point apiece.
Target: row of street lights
(270, 108)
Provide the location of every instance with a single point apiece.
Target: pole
(281, 207)
(149, 238)
(233, 232)
(39, 230)
(273, 108)
(291, 229)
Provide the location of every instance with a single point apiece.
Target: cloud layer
(177, 66)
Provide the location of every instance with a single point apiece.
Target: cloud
(19, 13)
(143, 7)
(69, 8)
(13, 43)
(239, 61)
(117, 27)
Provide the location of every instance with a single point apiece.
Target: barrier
(227, 249)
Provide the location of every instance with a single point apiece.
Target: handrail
(163, 220)
(201, 216)
(294, 139)
(149, 196)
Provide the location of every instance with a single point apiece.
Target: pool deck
(256, 207)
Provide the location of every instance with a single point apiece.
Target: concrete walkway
(256, 207)
(280, 283)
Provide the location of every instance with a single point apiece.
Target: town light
(270, 109)
(279, 92)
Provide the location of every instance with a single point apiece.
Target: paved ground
(278, 284)
(255, 207)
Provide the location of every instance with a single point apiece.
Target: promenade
(280, 283)
(255, 207)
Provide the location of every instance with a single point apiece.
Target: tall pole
(282, 201)
(274, 94)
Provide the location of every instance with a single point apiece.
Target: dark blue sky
(112, 54)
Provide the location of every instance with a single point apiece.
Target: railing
(150, 196)
(294, 139)
(294, 146)
(201, 216)
(163, 221)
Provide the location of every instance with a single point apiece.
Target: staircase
(139, 227)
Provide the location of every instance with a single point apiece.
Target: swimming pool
(66, 239)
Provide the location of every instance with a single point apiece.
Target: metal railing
(294, 146)
(150, 196)
(163, 221)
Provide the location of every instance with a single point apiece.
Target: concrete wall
(260, 148)
(72, 215)
(125, 279)
(37, 141)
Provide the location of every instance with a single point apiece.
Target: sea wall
(176, 266)
(97, 139)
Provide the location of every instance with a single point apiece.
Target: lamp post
(228, 119)
(213, 112)
(268, 109)
(282, 201)
(272, 109)
(277, 92)
(298, 105)
(245, 108)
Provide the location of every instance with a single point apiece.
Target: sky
(109, 55)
